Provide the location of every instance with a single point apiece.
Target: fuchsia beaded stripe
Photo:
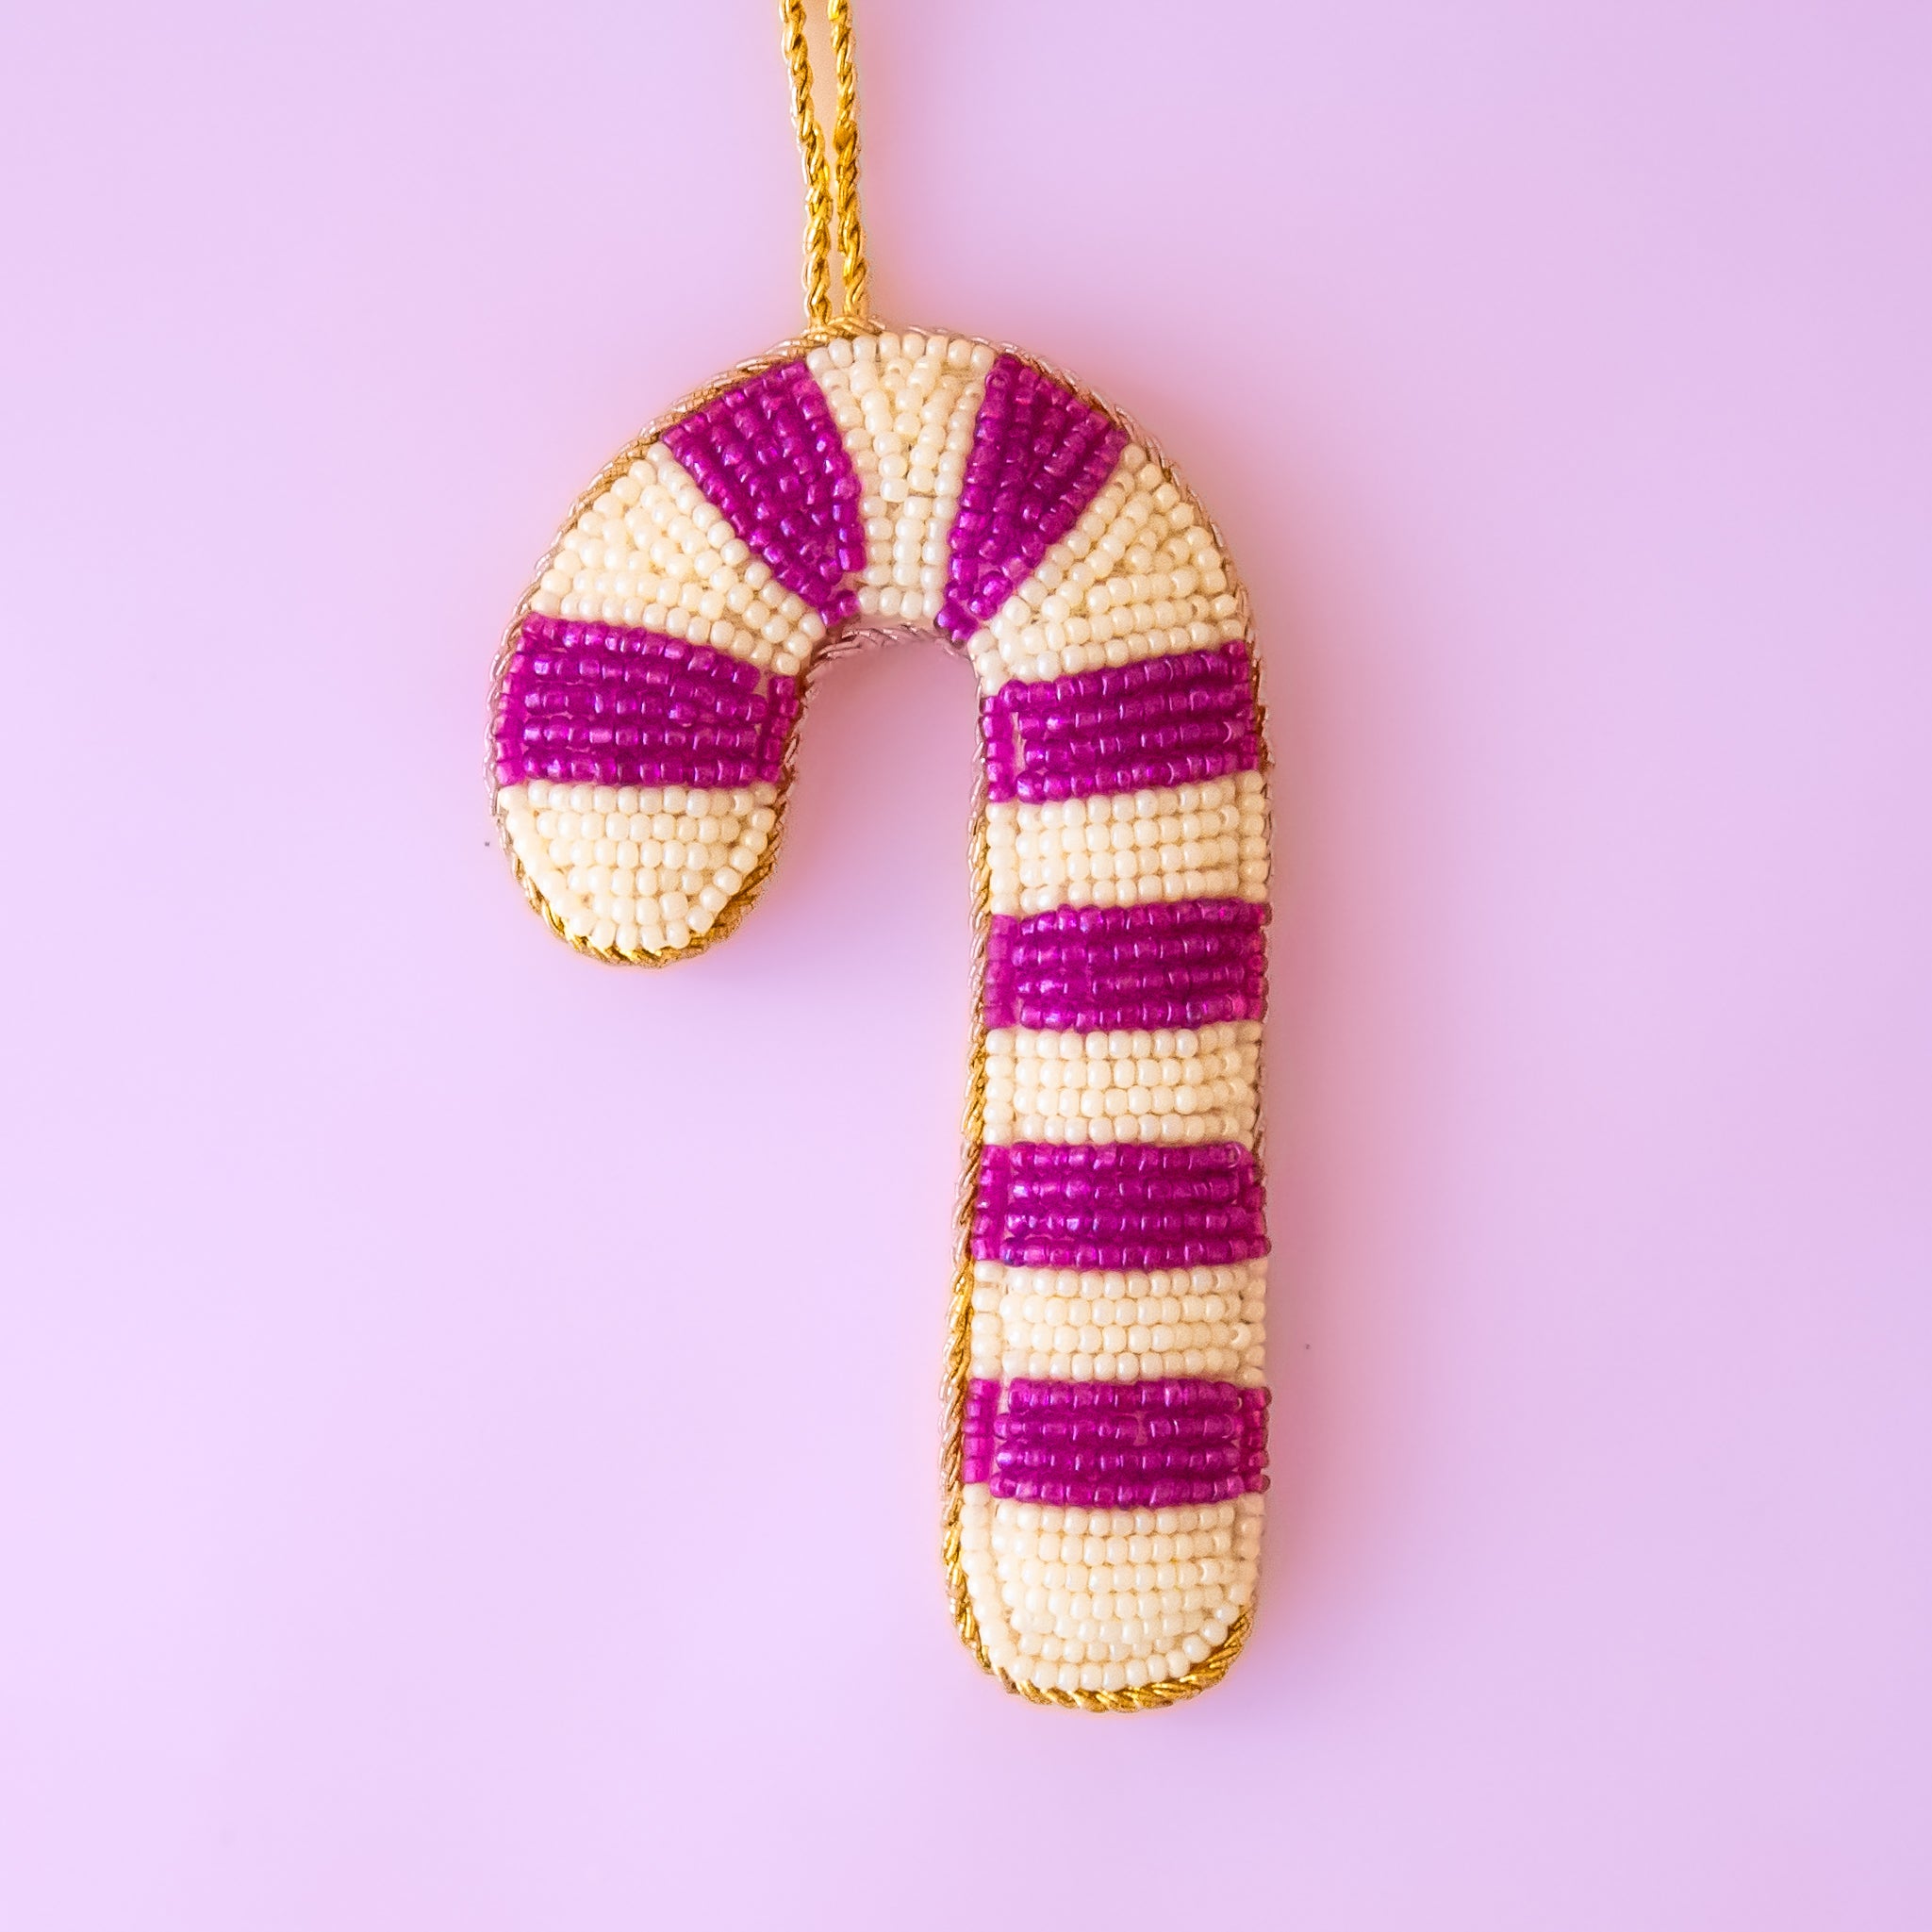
(770, 457)
(1152, 1444)
(1122, 1206)
(978, 1432)
(1040, 456)
(597, 705)
(1181, 963)
(1163, 721)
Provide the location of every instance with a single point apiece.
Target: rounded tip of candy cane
(1058, 1607)
(642, 874)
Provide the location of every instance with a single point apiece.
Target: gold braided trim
(958, 1363)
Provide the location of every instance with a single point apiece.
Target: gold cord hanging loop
(832, 183)
(817, 178)
(845, 168)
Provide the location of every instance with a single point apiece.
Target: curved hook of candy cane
(1106, 1408)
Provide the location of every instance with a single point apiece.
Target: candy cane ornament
(1104, 1449)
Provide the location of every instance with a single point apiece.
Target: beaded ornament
(1106, 1406)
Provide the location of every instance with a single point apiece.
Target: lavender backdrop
(466, 1417)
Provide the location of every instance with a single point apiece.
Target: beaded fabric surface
(1106, 1402)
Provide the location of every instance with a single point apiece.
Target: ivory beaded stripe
(907, 423)
(1164, 843)
(1117, 1324)
(1082, 1600)
(1108, 1371)
(1139, 576)
(651, 551)
(637, 867)
(1186, 1085)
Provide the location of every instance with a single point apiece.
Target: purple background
(466, 1417)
